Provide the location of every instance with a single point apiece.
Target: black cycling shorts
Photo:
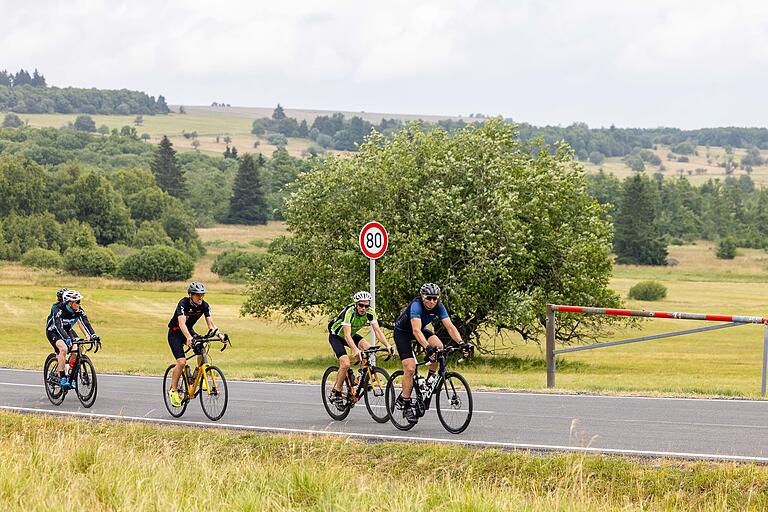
(404, 342)
(339, 344)
(53, 337)
(178, 342)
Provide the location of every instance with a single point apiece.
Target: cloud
(545, 61)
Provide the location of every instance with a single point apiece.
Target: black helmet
(430, 289)
(195, 287)
(60, 293)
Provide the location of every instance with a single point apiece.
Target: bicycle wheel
(85, 378)
(395, 409)
(213, 393)
(176, 412)
(51, 380)
(375, 395)
(336, 411)
(454, 403)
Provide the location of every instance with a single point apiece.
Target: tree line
(650, 212)
(23, 93)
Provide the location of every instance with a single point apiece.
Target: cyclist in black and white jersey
(59, 328)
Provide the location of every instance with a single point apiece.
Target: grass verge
(112, 466)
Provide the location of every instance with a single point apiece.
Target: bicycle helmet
(71, 296)
(430, 289)
(363, 295)
(60, 293)
(196, 287)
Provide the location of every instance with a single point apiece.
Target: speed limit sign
(373, 240)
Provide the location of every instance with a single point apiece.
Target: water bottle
(422, 385)
(71, 365)
(188, 373)
(351, 375)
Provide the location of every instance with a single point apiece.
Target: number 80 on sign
(373, 240)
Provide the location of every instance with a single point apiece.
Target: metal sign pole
(373, 296)
(765, 355)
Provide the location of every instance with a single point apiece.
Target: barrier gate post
(550, 346)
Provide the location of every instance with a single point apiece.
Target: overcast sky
(646, 63)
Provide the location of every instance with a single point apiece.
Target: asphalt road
(650, 427)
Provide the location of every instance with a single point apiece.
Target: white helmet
(363, 295)
(71, 296)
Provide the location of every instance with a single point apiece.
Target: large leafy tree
(503, 226)
(167, 172)
(638, 239)
(249, 204)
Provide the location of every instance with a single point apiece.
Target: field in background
(132, 318)
(210, 122)
(245, 471)
(700, 169)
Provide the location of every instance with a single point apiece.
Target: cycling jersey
(416, 309)
(61, 320)
(192, 311)
(349, 316)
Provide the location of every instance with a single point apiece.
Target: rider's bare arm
(416, 328)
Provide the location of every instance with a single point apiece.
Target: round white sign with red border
(373, 240)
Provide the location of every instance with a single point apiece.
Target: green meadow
(132, 318)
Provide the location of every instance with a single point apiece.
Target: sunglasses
(75, 301)
(366, 306)
(431, 297)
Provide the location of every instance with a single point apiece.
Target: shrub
(237, 264)
(277, 139)
(42, 258)
(94, 261)
(648, 290)
(726, 249)
(157, 263)
(596, 157)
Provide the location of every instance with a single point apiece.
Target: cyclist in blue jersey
(343, 333)
(59, 328)
(412, 324)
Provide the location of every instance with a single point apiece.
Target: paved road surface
(689, 428)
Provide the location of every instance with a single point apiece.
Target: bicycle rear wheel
(85, 381)
(213, 393)
(51, 380)
(337, 411)
(394, 406)
(454, 403)
(375, 395)
(176, 412)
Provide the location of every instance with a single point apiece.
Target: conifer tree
(638, 240)
(165, 167)
(278, 114)
(248, 204)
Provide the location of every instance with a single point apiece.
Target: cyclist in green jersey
(343, 333)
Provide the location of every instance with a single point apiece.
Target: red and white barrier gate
(733, 321)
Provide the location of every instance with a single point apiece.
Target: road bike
(207, 381)
(453, 398)
(368, 383)
(79, 369)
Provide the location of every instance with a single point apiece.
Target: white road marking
(485, 444)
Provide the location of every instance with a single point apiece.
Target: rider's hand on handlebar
(189, 342)
(390, 350)
(358, 354)
(430, 352)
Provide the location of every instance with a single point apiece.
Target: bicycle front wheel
(375, 394)
(51, 380)
(176, 412)
(394, 401)
(213, 393)
(85, 381)
(454, 403)
(337, 410)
